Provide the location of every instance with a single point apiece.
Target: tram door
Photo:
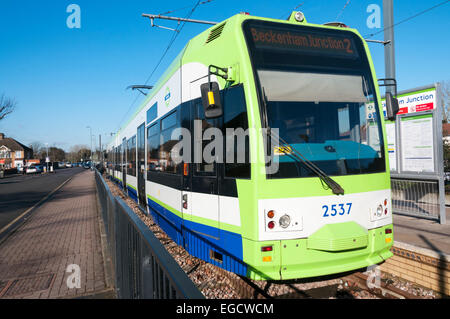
(141, 165)
(204, 201)
(124, 165)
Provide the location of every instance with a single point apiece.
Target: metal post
(389, 48)
(101, 153)
(438, 114)
(158, 16)
(90, 137)
(46, 162)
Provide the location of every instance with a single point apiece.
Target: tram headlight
(379, 211)
(299, 16)
(285, 221)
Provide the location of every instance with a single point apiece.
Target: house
(13, 153)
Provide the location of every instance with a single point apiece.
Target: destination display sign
(304, 40)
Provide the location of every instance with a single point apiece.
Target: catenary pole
(389, 47)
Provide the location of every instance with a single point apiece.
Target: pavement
(21, 192)
(58, 252)
(423, 233)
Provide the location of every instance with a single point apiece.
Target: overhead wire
(175, 34)
(298, 6)
(183, 8)
(342, 10)
(407, 19)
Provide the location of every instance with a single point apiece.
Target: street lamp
(90, 137)
(101, 148)
(47, 158)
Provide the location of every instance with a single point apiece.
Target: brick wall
(421, 267)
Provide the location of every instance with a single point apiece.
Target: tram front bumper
(293, 259)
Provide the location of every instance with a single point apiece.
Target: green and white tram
(311, 194)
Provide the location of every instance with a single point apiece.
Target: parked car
(68, 164)
(34, 169)
(87, 165)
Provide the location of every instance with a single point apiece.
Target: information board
(411, 144)
(392, 145)
(417, 143)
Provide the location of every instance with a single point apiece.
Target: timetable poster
(392, 151)
(417, 143)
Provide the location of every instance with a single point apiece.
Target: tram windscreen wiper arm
(296, 155)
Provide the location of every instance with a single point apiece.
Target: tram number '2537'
(336, 209)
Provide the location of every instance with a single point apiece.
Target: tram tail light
(271, 225)
(266, 248)
(388, 231)
(185, 200)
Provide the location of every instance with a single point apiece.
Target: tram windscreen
(316, 89)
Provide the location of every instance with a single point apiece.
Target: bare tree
(76, 153)
(445, 98)
(39, 151)
(7, 106)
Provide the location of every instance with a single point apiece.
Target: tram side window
(127, 164)
(131, 155)
(115, 158)
(124, 157)
(235, 128)
(119, 157)
(153, 148)
(166, 161)
(204, 168)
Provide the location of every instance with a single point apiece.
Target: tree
(78, 152)
(7, 106)
(446, 147)
(445, 98)
(84, 154)
(56, 154)
(39, 151)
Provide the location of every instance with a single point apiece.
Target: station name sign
(305, 41)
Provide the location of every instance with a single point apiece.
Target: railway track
(356, 285)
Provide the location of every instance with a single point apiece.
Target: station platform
(421, 253)
(423, 233)
(58, 251)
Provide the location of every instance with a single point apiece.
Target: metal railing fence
(420, 198)
(142, 267)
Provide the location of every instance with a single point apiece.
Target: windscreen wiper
(296, 155)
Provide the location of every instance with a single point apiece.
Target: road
(17, 194)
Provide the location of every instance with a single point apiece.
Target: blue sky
(67, 79)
